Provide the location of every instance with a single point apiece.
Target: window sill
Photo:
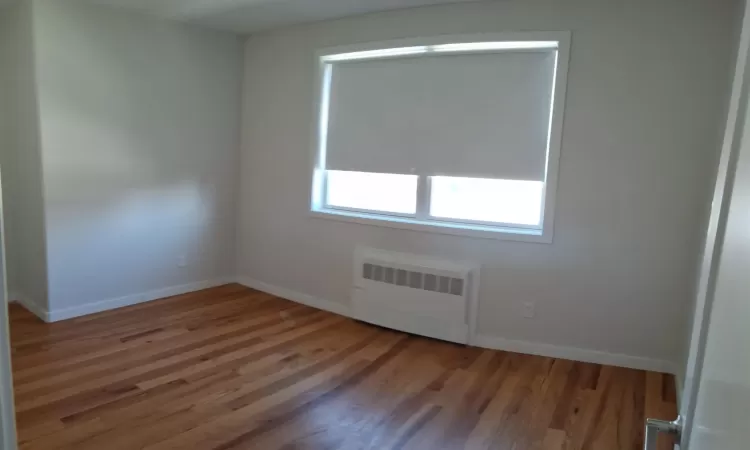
(470, 230)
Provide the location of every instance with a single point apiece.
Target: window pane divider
(424, 187)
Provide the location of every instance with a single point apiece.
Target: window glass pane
(487, 200)
(385, 192)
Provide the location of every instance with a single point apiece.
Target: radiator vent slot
(413, 279)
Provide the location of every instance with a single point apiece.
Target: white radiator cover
(416, 294)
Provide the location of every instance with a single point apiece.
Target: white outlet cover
(529, 310)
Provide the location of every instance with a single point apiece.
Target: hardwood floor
(233, 368)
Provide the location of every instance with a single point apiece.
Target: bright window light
(487, 46)
(441, 48)
(364, 191)
(381, 53)
(514, 202)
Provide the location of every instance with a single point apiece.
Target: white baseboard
(32, 306)
(128, 300)
(491, 342)
(299, 297)
(574, 353)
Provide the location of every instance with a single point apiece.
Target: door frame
(7, 409)
(714, 240)
(8, 435)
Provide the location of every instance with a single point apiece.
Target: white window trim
(492, 42)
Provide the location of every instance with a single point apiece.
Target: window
(451, 135)
(377, 192)
(485, 200)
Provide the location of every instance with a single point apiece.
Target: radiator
(413, 293)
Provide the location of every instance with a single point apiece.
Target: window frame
(422, 220)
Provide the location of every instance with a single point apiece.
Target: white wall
(140, 130)
(20, 158)
(643, 114)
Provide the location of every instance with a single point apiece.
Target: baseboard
(573, 353)
(105, 305)
(32, 306)
(491, 342)
(299, 297)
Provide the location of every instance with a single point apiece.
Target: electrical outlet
(529, 310)
(182, 261)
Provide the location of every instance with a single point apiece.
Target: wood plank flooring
(234, 368)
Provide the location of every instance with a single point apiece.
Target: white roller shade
(476, 115)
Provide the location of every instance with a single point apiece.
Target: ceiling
(248, 16)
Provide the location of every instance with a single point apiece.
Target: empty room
(374, 224)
